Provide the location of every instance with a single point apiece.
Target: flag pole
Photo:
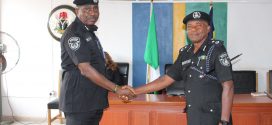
(151, 55)
(151, 8)
(148, 66)
(211, 33)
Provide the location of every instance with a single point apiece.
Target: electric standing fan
(9, 58)
(9, 52)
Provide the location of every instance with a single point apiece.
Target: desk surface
(239, 99)
(152, 99)
(168, 110)
(247, 99)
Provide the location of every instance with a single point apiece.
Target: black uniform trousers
(84, 118)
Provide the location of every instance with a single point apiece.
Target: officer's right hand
(126, 93)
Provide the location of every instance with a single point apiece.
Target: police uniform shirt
(203, 73)
(79, 44)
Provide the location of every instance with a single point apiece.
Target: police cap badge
(197, 15)
(83, 2)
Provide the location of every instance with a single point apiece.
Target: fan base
(6, 122)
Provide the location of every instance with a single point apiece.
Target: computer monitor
(269, 86)
(244, 81)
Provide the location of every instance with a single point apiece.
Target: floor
(33, 123)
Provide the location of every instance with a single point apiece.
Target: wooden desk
(248, 110)
(167, 110)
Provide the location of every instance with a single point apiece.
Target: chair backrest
(124, 70)
(245, 81)
(269, 81)
(177, 88)
(60, 81)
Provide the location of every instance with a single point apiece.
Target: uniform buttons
(189, 105)
(201, 76)
(201, 67)
(211, 110)
(192, 62)
(190, 75)
(189, 91)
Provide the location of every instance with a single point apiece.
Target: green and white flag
(151, 55)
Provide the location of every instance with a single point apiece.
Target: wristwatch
(223, 122)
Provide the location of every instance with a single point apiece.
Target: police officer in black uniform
(206, 69)
(84, 90)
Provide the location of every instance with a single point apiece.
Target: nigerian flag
(151, 55)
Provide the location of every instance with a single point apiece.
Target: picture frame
(59, 19)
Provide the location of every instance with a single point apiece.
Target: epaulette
(185, 48)
(218, 42)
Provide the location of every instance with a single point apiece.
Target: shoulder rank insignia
(183, 48)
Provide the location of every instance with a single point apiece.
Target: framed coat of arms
(59, 19)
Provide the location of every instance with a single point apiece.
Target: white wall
(249, 32)
(29, 84)
(115, 31)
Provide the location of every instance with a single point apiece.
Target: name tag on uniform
(186, 62)
(88, 37)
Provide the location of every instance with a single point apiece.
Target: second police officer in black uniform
(84, 90)
(206, 70)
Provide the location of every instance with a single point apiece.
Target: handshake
(126, 93)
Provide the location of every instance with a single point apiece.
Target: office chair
(245, 81)
(177, 88)
(54, 104)
(269, 82)
(124, 70)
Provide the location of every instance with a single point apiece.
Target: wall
(249, 32)
(29, 84)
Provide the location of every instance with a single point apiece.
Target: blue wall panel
(140, 22)
(164, 29)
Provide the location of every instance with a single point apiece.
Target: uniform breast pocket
(94, 57)
(94, 53)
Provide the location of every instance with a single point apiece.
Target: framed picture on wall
(59, 19)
